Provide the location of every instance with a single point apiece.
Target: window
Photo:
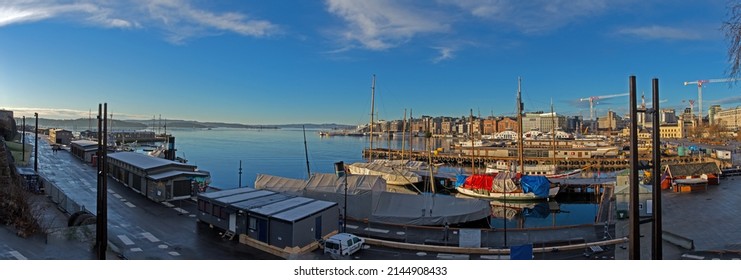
(349, 242)
(224, 213)
(253, 223)
(217, 211)
(201, 206)
(207, 208)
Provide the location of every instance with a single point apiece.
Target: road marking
(400, 233)
(694, 257)
(162, 246)
(452, 256)
(181, 211)
(352, 226)
(130, 204)
(495, 257)
(136, 249)
(18, 255)
(192, 215)
(151, 237)
(175, 254)
(111, 191)
(165, 203)
(117, 195)
(125, 240)
(377, 230)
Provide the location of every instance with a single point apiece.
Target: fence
(64, 202)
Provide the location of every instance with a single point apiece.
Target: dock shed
(275, 219)
(157, 179)
(60, 136)
(84, 149)
(702, 170)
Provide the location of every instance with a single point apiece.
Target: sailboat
(393, 173)
(508, 185)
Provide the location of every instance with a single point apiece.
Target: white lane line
(162, 246)
(136, 249)
(175, 254)
(452, 256)
(117, 195)
(165, 203)
(694, 257)
(130, 204)
(111, 191)
(125, 239)
(181, 211)
(18, 255)
(377, 230)
(150, 237)
(352, 226)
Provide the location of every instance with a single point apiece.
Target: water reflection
(536, 214)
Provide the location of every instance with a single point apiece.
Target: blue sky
(280, 61)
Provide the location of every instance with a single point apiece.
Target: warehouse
(157, 179)
(60, 136)
(272, 218)
(84, 149)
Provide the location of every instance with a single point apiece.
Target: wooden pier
(605, 164)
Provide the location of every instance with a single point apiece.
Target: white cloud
(384, 24)
(662, 32)
(532, 15)
(445, 53)
(177, 18)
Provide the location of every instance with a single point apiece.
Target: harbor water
(280, 152)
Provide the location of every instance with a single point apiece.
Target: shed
(84, 149)
(276, 219)
(60, 136)
(704, 170)
(157, 179)
(645, 199)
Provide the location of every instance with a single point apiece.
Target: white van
(344, 244)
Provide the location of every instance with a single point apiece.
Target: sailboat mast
(553, 133)
(521, 142)
(470, 134)
(411, 123)
(403, 134)
(306, 153)
(373, 101)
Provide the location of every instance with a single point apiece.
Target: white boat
(394, 175)
(547, 170)
(474, 143)
(507, 186)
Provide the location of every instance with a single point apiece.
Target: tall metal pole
(373, 102)
(699, 103)
(339, 169)
(635, 232)
(101, 240)
(36, 145)
(23, 139)
(306, 154)
(656, 249)
(240, 174)
(521, 143)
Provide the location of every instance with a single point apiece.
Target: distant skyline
(282, 62)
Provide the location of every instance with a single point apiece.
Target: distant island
(85, 124)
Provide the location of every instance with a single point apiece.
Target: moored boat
(506, 186)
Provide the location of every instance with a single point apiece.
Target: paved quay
(709, 218)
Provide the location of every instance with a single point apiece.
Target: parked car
(344, 244)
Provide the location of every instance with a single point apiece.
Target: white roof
(144, 161)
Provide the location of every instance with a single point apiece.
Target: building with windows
(728, 118)
(156, 178)
(275, 219)
(60, 136)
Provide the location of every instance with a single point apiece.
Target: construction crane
(592, 99)
(699, 84)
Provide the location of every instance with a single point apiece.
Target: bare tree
(732, 29)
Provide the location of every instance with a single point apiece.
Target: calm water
(281, 152)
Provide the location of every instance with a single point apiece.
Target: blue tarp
(460, 179)
(521, 252)
(538, 185)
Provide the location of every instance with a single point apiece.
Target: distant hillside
(83, 124)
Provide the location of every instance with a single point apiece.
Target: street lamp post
(36, 146)
(339, 169)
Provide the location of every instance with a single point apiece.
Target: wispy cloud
(383, 24)
(727, 100)
(534, 15)
(445, 53)
(58, 113)
(178, 19)
(655, 32)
